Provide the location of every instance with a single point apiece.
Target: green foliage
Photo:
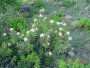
(31, 60)
(34, 10)
(84, 23)
(62, 64)
(39, 44)
(36, 6)
(58, 16)
(8, 1)
(72, 64)
(69, 3)
(39, 3)
(36, 45)
(5, 3)
(18, 22)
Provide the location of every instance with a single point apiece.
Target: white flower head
(70, 38)
(33, 25)
(40, 15)
(42, 10)
(60, 34)
(42, 35)
(64, 24)
(51, 21)
(48, 43)
(25, 39)
(9, 44)
(4, 34)
(32, 30)
(55, 31)
(44, 18)
(58, 23)
(60, 29)
(36, 28)
(35, 20)
(11, 29)
(27, 32)
(18, 33)
(61, 22)
(50, 53)
(68, 33)
(48, 36)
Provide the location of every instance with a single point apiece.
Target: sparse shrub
(39, 3)
(58, 16)
(84, 23)
(68, 3)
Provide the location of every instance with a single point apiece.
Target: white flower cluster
(35, 20)
(40, 15)
(18, 33)
(32, 30)
(11, 29)
(61, 29)
(51, 21)
(44, 18)
(42, 35)
(41, 10)
(50, 53)
(25, 39)
(4, 34)
(57, 29)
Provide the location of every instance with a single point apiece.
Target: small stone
(68, 16)
(71, 53)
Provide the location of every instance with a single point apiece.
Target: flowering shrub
(45, 38)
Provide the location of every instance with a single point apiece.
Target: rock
(27, 14)
(71, 54)
(25, 8)
(68, 16)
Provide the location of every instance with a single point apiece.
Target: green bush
(39, 3)
(37, 46)
(58, 16)
(8, 1)
(84, 23)
(5, 3)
